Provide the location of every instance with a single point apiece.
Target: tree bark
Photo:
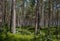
(37, 18)
(13, 15)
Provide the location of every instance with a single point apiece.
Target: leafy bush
(15, 37)
(28, 35)
(23, 31)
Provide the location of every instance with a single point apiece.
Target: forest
(29, 20)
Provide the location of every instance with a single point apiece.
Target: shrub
(15, 37)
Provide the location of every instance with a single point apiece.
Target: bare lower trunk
(37, 18)
(13, 17)
(1, 15)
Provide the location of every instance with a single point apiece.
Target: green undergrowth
(27, 34)
(15, 37)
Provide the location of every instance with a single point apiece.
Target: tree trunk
(13, 14)
(37, 18)
(1, 15)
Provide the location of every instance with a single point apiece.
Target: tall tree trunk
(13, 12)
(22, 12)
(49, 16)
(37, 18)
(4, 12)
(57, 28)
(1, 15)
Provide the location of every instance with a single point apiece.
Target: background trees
(30, 16)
